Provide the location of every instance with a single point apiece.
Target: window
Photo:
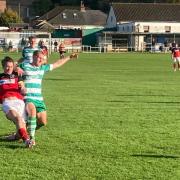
(167, 28)
(27, 12)
(75, 15)
(146, 28)
(64, 15)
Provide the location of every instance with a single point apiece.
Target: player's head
(42, 43)
(38, 58)
(173, 44)
(32, 41)
(8, 65)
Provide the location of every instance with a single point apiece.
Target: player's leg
(41, 119)
(31, 121)
(174, 64)
(14, 110)
(41, 114)
(178, 62)
(61, 55)
(20, 125)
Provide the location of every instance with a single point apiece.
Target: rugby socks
(23, 134)
(31, 127)
(39, 125)
(174, 66)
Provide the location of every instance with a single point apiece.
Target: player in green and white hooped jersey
(33, 75)
(28, 51)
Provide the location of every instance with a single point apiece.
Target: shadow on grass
(10, 146)
(156, 156)
(3, 137)
(146, 95)
(157, 102)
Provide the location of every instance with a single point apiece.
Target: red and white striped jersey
(9, 86)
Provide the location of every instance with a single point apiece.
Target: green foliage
(70, 3)
(110, 116)
(9, 16)
(41, 7)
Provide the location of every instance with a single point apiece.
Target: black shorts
(61, 52)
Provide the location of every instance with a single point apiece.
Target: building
(62, 18)
(141, 26)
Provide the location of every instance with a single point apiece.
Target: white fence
(15, 41)
(19, 39)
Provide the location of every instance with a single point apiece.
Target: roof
(146, 11)
(77, 17)
(55, 11)
(45, 25)
(95, 17)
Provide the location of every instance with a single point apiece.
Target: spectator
(10, 46)
(61, 50)
(55, 46)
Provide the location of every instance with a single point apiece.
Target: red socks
(23, 134)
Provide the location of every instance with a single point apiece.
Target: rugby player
(33, 75)
(11, 90)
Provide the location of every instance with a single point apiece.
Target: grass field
(110, 117)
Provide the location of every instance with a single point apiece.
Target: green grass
(110, 116)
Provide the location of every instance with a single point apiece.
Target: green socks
(31, 127)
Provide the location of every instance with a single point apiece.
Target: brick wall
(2, 5)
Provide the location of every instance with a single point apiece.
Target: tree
(173, 1)
(41, 7)
(9, 16)
(70, 2)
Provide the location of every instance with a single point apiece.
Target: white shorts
(17, 105)
(176, 59)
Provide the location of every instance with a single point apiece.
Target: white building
(140, 25)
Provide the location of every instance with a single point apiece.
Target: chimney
(82, 7)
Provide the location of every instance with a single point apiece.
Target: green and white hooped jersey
(33, 76)
(28, 54)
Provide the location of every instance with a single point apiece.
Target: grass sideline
(110, 116)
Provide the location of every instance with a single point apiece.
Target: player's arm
(20, 60)
(18, 69)
(21, 85)
(1, 100)
(172, 55)
(61, 62)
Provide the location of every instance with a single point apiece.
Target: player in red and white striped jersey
(175, 55)
(11, 89)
